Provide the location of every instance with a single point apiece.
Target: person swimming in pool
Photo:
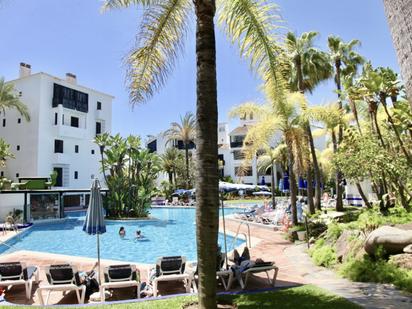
(139, 234)
(122, 232)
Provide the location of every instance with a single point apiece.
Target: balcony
(73, 132)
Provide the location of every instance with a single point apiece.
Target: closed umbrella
(94, 222)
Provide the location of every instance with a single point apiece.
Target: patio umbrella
(263, 182)
(94, 222)
(285, 182)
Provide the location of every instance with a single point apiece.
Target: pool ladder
(247, 236)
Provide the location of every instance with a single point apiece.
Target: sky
(60, 36)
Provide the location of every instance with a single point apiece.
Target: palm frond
(117, 4)
(255, 26)
(160, 41)
(10, 100)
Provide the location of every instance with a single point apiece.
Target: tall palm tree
(267, 161)
(184, 131)
(169, 162)
(251, 23)
(309, 67)
(283, 116)
(345, 61)
(399, 15)
(10, 100)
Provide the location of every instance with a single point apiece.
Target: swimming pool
(173, 233)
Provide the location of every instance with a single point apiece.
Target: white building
(65, 118)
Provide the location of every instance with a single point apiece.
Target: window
(18, 147)
(4, 122)
(99, 106)
(74, 122)
(63, 119)
(222, 129)
(17, 175)
(76, 148)
(92, 151)
(76, 175)
(58, 146)
(70, 98)
(1, 174)
(56, 116)
(18, 120)
(98, 128)
(238, 155)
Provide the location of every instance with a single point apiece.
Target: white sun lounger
(171, 268)
(254, 270)
(64, 277)
(120, 276)
(16, 273)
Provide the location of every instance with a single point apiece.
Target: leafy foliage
(5, 153)
(323, 254)
(130, 174)
(10, 100)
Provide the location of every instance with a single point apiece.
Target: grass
(301, 297)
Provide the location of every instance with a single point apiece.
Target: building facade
(65, 119)
(230, 154)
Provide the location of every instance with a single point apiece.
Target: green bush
(323, 254)
(380, 271)
(334, 231)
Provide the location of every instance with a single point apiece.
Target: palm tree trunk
(399, 15)
(187, 165)
(292, 185)
(338, 177)
(316, 170)
(309, 189)
(272, 187)
(355, 114)
(362, 194)
(207, 184)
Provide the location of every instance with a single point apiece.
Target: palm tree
(184, 131)
(5, 152)
(309, 67)
(251, 23)
(345, 61)
(399, 15)
(169, 162)
(10, 100)
(267, 161)
(283, 116)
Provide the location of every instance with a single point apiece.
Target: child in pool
(139, 234)
(122, 232)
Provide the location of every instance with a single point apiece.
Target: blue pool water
(172, 234)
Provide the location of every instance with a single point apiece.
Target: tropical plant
(5, 153)
(281, 116)
(251, 23)
(184, 131)
(130, 174)
(267, 161)
(169, 161)
(10, 100)
(345, 61)
(308, 67)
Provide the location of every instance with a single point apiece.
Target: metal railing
(247, 237)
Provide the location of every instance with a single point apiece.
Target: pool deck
(267, 244)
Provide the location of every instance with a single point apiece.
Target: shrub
(334, 231)
(323, 254)
(380, 271)
(316, 228)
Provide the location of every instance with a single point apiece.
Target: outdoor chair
(171, 268)
(16, 273)
(64, 277)
(257, 268)
(221, 274)
(120, 276)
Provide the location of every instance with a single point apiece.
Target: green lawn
(301, 297)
